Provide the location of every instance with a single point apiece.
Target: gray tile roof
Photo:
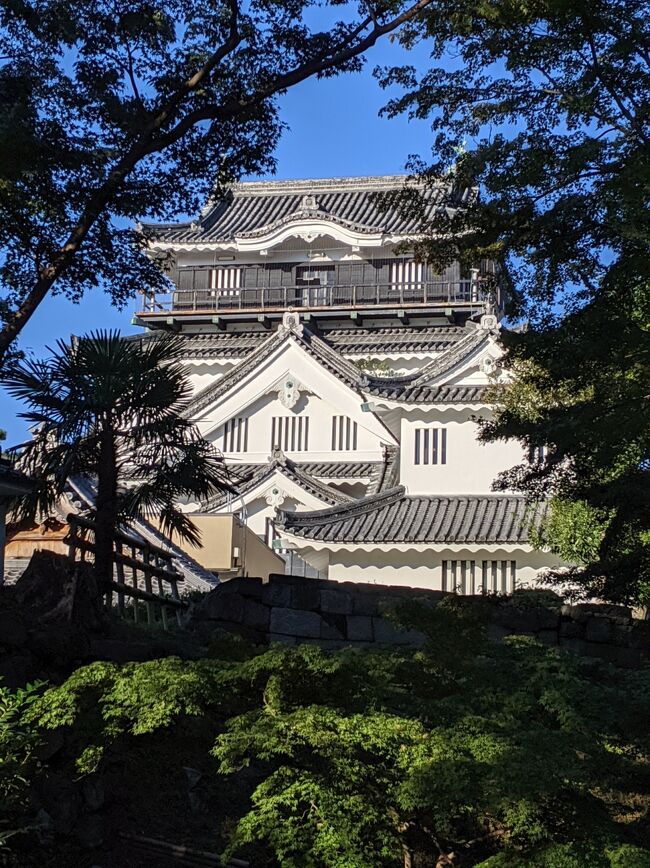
(394, 517)
(409, 389)
(354, 341)
(241, 471)
(404, 339)
(250, 208)
(431, 394)
(263, 472)
(386, 474)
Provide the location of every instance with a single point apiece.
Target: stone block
(228, 607)
(219, 604)
(621, 634)
(365, 604)
(276, 594)
(305, 596)
(294, 622)
(336, 601)
(575, 613)
(257, 615)
(285, 579)
(571, 629)
(332, 626)
(359, 628)
(388, 633)
(640, 635)
(244, 585)
(598, 629)
(516, 620)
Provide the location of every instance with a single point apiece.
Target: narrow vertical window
(290, 433)
(504, 577)
(484, 577)
(235, 435)
(430, 446)
(344, 433)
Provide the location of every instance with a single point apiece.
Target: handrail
(315, 297)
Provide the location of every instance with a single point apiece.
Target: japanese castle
(342, 380)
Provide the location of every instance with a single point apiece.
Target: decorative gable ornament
(309, 203)
(289, 393)
(275, 497)
(489, 366)
(291, 323)
(489, 321)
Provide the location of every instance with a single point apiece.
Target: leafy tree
(464, 752)
(109, 112)
(112, 409)
(18, 762)
(545, 107)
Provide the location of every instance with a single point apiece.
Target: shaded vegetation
(466, 751)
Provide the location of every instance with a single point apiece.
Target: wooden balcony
(269, 300)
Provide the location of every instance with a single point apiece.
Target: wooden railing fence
(139, 566)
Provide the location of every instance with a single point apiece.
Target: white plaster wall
(423, 569)
(261, 412)
(202, 374)
(471, 466)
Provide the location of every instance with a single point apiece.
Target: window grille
(235, 435)
(536, 454)
(406, 274)
(430, 446)
(226, 280)
(290, 433)
(344, 433)
(463, 577)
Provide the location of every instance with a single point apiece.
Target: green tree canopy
(545, 107)
(110, 112)
(464, 753)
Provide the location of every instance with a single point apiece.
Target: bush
(504, 755)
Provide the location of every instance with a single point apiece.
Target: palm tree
(112, 409)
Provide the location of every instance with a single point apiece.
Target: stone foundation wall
(292, 609)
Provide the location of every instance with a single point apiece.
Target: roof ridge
(355, 507)
(213, 390)
(281, 463)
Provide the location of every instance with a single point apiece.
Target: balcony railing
(314, 297)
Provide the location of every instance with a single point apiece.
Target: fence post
(119, 569)
(146, 557)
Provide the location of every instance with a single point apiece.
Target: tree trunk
(105, 509)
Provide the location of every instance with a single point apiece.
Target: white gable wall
(322, 396)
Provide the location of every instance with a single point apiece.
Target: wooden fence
(139, 566)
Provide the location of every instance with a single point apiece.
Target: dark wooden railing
(145, 564)
(314, 297)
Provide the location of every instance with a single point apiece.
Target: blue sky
(334, 129)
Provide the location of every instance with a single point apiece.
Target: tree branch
(148, 143)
